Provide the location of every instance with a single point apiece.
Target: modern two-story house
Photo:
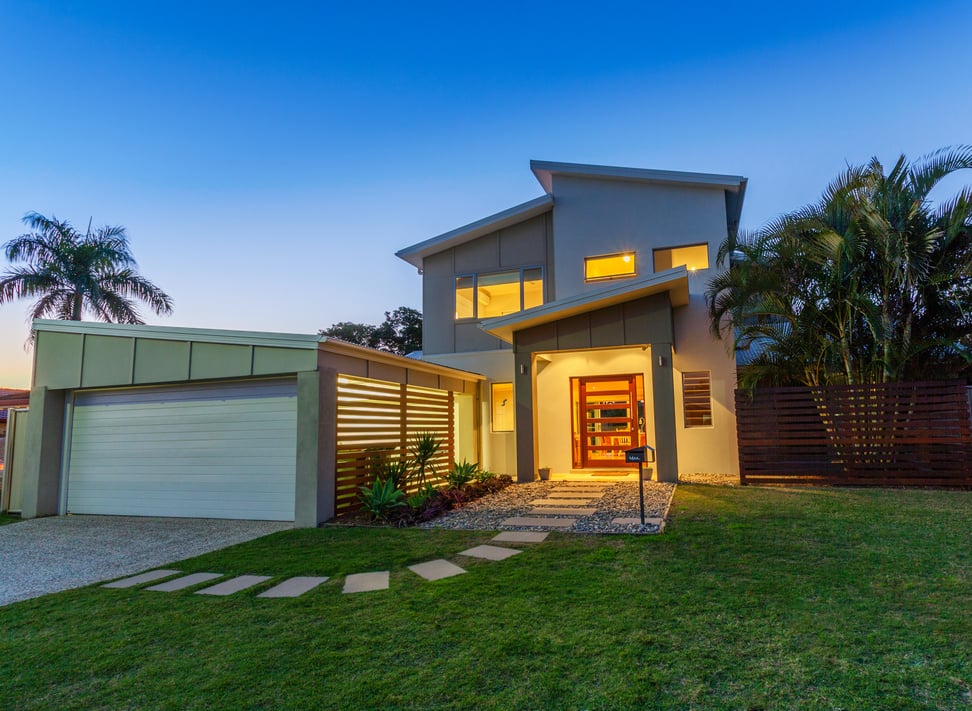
(585, 311)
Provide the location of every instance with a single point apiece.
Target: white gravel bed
(45, 555)
(619, 500)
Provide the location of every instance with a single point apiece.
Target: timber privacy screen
(895, 434)
(377, 419)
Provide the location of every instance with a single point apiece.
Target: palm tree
(72, 274)
(873, 283)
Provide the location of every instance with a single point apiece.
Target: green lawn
(7, 518)
(753, 599)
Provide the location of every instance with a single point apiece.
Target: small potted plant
(544, 473)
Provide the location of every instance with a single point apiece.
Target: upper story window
(610, 266)
(498, 293)
(692, 256)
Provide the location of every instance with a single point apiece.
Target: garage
(220, 450)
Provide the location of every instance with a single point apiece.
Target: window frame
(475, 290)
(632, 275)
(685, 413)
(655, 250)
(492, 407)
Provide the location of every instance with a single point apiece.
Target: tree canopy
(873, 283)
(73, 274)
(400, 332)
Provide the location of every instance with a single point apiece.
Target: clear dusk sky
(268, 159)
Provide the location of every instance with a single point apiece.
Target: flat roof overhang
(673, 281)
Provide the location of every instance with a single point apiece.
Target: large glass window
(498, 293)
(610, 266)
(693, 256)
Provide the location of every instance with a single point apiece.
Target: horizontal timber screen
(377, 419)
(894, 434)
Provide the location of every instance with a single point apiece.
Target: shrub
(381, 499)
(461, 473)
(391, 468)
(418, 499)
(424, 448)
(485, 475)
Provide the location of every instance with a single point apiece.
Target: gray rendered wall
(593, 217)
(526, 244)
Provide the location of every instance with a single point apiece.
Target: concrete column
(316, 456)
(526, 463)
(42, 467)
(663, 400)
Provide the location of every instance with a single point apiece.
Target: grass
(753, 599)
(8, 518)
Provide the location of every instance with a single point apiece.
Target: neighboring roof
(734, 185)
(674, 281)
(514, 215)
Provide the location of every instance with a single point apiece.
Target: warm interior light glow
(693, 257)
(610, 266)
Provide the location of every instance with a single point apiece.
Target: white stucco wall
(554, 397)
(498, 449)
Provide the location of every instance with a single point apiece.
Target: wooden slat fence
(378, 419)
(895, 434)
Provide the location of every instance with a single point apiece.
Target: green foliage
(484, 476)
(461, 473)
(381, 498)
(73, 274)
(400, 332)
(423, 450)
(873, 283)
(393, 468)
(420, 497)
(787, 598)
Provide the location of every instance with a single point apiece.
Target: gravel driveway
(45, 555)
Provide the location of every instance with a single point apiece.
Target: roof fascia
(336, 345)
(674, 281)
(506, 218)
(178, 333)
(545, 170)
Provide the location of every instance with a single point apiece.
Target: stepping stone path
(490, 552)
(294, 587)
(563, 501)
(558, 510)
(436, 569)
(228, 587)
(365, 582)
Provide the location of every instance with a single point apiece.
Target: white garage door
(225, 450)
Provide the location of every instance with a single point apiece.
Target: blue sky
(269, 161)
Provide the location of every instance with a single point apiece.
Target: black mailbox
(639, 455)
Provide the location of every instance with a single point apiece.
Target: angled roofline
(524, 211)
(734, 185)
(674, 281)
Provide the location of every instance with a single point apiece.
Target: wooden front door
(605, 419)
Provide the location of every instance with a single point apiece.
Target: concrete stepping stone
(490, 552)
(521, 537)
(294, 587)
(185, 582)
(556, 511)
(233, 585)
(560, 502)
(366, 582)
(537, 521)
(436, 569)
(574, 495)
(146, 577)
(636, 521)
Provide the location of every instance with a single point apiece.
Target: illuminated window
(610, 266)
(498, 293)
(693, 256)
(501, 397)
(697, 398)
